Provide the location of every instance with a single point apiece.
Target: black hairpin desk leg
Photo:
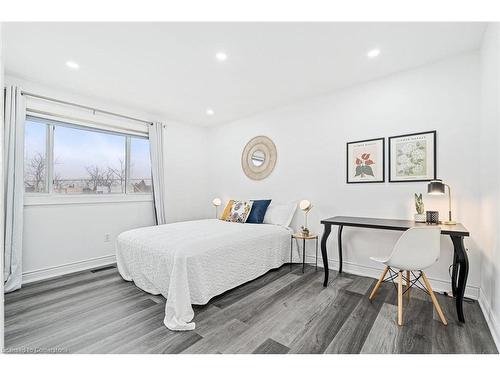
(324, 252)
(460, 261)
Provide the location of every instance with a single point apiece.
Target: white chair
(417, 249)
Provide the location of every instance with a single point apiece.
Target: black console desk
(456, 232)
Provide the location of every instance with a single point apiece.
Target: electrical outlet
(107, 237)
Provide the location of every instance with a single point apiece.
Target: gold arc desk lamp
(437, 187)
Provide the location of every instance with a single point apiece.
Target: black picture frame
(434, 155)
(383, 161)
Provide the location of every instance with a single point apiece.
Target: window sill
(51, 200)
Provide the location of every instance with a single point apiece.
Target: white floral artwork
(412, 157)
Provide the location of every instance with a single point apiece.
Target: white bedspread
(191, 262)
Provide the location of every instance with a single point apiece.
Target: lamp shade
(435, 187)
(304, 204)
(216, 202)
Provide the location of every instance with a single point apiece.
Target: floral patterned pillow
(240, 211)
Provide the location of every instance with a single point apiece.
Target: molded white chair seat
(417, 249)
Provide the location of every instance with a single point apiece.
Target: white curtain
(157, 132)
(15, 114)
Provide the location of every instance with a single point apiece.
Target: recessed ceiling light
(210, 112)
(221, 56)
(373, 53)
(72, 64)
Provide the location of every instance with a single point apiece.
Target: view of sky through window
(88, 161)
(140, 164)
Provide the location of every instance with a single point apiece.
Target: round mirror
(258, 158)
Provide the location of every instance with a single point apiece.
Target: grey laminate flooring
(284, 311)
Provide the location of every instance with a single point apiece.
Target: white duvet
(191, 262)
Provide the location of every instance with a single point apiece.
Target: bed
(190, 262)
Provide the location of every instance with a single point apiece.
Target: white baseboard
(490, 319)
(356, 269)
(63, 269)
(438, 285)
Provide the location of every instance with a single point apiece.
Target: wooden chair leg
(400, 298)
(434, 300)
(408, 288)
(377, 285)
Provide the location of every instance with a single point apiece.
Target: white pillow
(280, 214)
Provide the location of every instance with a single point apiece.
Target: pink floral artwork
(364, 166)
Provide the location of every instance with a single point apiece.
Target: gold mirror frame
(267, 146)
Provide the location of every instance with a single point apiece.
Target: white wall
(187, 173)
(490, 180)
(311, 140)
(60, 238)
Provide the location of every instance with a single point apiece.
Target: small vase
(420, 218)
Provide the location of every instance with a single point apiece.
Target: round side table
(301, 236)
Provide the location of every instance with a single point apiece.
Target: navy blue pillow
(258, 211)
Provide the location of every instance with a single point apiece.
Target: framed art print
(412, 157)
(365, 161)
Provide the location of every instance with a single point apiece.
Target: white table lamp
(216, 202)
(305, 206)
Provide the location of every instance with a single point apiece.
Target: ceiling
(171, 68)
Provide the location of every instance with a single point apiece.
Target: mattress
(191, 262)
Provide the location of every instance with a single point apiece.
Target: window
(35, 157)
(66, 159)
(140, 166)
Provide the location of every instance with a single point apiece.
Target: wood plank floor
(284, 311)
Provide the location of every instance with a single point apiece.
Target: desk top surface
(392, 224)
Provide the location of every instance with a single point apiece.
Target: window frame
(50, 197)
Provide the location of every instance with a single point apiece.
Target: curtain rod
(84, 107)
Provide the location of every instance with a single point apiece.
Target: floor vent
(103, 269)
